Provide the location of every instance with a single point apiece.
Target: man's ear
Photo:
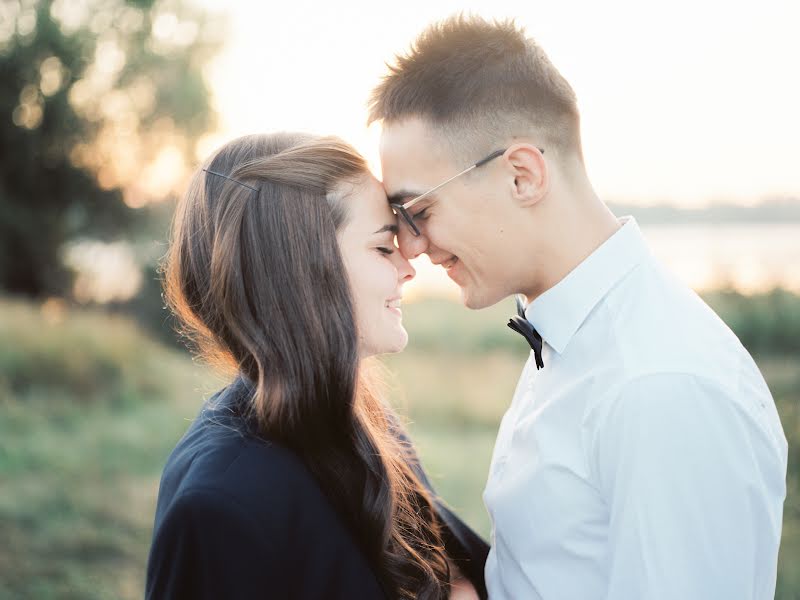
(527, 166)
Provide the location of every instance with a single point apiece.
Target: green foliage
(440, 325)
(89, 410)
(87, 88)
(87, 356)
(767, 323)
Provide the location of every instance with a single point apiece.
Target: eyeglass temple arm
(494, 155)
(444, 183)
(480, 163)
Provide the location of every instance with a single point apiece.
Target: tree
(93, 93)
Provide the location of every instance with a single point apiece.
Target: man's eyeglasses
(401, 210)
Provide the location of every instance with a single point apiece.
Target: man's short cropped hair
(479, 83)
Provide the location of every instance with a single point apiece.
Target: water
(748, 258)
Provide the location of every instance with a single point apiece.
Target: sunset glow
(682, 102)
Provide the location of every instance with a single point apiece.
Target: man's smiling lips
(447, 264)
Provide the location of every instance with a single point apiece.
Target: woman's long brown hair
(255, 275)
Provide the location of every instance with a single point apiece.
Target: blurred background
(689, 121)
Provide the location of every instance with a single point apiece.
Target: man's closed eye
(421, 215)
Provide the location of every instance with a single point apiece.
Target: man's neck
(583, 225)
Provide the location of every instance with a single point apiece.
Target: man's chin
(475, 300)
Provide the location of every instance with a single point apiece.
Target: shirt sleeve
(208, 547)
(694, 492)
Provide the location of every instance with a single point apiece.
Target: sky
(686, 102)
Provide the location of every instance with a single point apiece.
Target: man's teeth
(394, 304)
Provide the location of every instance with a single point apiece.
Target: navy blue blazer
(238, 517)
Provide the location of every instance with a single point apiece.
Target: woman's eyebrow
(391, 227)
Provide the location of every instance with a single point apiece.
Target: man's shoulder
(664, 348)
(659, 325)
(654, 404)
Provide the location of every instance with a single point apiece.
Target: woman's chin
(391, 343)
(396, 342)
(402, 341)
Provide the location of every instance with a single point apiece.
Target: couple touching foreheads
(640, 457)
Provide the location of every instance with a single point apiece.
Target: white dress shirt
(646, 460)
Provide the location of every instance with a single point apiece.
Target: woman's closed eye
(385, 250)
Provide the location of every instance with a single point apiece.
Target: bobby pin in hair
(231, 179)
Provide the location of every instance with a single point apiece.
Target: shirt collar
(559, 312)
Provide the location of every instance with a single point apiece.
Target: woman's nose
(405, 271)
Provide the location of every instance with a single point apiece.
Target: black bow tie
(522, 326)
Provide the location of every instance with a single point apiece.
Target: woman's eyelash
(384, 250)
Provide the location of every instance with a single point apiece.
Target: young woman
(296, 481)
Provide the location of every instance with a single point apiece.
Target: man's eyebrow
(403, 197)
(397, 198)
(392, 228)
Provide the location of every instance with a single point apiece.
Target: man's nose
(411, 246)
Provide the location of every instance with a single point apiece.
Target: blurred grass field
(90, 408)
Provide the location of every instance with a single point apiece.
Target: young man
(642, 455)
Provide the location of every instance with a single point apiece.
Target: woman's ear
(529, 170)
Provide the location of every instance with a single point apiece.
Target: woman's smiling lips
(393, 304)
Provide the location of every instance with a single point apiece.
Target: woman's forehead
(369, 208)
